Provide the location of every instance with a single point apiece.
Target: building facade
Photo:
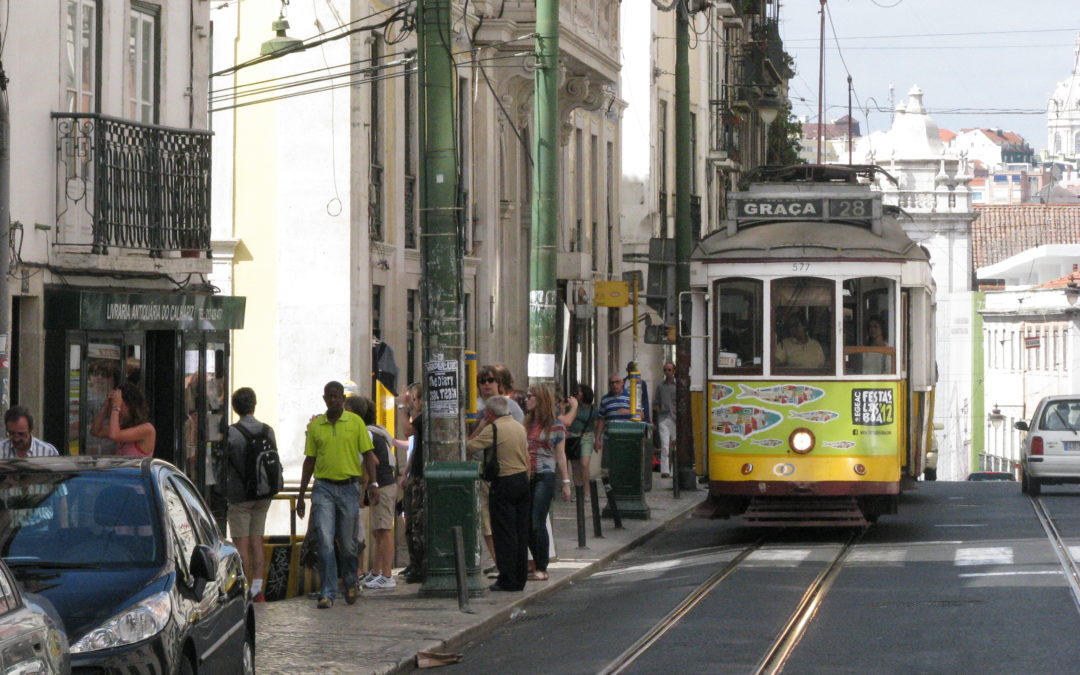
(110, 212)
(316, 205)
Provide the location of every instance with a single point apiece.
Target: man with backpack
(249, 484)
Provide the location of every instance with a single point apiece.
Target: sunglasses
(485, 380)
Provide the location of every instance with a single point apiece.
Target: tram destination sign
(849, 209)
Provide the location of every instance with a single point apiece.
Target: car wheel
(1024, 487)
(187, 665)
(1034, 487)
(249, 654)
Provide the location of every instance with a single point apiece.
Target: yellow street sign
(611, 293)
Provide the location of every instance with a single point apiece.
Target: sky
(984, 56)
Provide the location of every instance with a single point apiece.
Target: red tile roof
(1000, 232)
(1062, 282)
(945, 135)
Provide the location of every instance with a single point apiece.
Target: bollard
(594, 495)
(612, 504)
(674, 460)
(459, 568)
(579, 497)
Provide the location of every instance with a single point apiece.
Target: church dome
(1063, 113)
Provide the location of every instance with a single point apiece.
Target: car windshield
(81, 519)
(1061, 416)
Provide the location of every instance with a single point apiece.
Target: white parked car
(1050, 453)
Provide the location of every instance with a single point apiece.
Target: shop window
(803, 323)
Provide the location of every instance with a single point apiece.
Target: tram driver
(799, 350)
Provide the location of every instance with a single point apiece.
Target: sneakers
(366, 578)
(325, 603)
(351, 594)
(379, 582)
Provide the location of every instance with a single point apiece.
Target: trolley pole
(541, 366)
(684, 242)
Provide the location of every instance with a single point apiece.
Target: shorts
(485, 508)
(248, 519)
(382, 514)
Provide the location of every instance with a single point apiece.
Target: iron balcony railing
(128, 185)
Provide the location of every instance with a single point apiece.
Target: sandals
(538, 576)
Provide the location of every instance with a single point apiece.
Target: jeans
(334, 513)
(667, 437)
(542, 487)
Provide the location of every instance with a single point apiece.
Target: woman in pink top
(124, 419)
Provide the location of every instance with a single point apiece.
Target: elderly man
(20, 441)
(614, 405)
(509, 492)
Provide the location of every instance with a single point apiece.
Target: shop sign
(146, 311)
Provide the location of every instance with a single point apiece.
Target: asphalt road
(963, 580)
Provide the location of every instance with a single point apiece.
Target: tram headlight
(801, 441)
(747, 469)
(860, 469)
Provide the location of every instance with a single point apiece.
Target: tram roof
(810, 239)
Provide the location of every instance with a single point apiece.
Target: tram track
(1061, 549)
(783, 645)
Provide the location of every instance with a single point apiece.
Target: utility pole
(684, 242)
(544, 204)
(450, 485)
(5, 237)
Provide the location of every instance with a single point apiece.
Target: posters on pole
(442, 385)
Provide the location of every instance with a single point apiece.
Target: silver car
(32, 638)
(1050, 453)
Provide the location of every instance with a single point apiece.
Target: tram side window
(869, 342)
(803, 326)
(738, 321)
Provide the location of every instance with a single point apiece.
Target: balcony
(120, 184)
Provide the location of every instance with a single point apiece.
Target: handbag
(572, 445)
(490, 470)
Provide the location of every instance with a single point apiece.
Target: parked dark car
(991, 475)
(32, 638)
(127, 552)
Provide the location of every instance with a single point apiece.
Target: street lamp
(768, 107)
(995, 417)
(280, 42)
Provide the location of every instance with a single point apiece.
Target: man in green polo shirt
(338, 453)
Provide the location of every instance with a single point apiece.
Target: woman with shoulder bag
(579, 419)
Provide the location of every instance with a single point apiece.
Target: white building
(932, 189)
(316, 205)
(110, 194)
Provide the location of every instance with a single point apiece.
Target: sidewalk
(385, 629)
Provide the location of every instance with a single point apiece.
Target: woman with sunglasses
(547, 457)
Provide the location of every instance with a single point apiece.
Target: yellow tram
(817, 368)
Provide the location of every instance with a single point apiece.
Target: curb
(466, 635)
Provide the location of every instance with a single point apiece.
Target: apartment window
(377, 312)
(578, 244)
(81, 56)
(375, 147)
(410, 159)
(661, 168)
(594, 197)
(412, 333)
(141, 76)
(464, 140)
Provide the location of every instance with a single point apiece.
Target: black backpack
(262, 472)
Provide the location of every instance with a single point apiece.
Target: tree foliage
(784, 137)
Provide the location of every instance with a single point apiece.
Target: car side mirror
(203, 568)
(1021, 425)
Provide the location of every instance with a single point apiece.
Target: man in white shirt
(20, 441)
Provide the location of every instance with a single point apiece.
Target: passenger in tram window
(875, 363)
(799, 350)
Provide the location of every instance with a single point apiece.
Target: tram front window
(869, 343)
(802, 312)
(738, 324)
